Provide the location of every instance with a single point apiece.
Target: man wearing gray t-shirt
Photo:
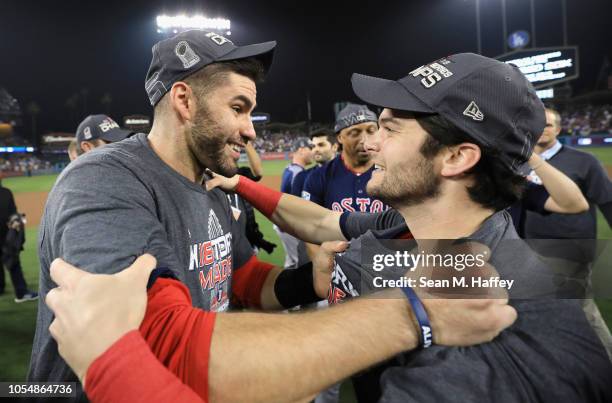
(145, 194)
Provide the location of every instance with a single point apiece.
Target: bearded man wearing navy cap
(98, 130)
(146, 194)
(339, 185)
(452, 142)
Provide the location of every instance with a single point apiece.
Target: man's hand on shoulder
(323, 265)
(82, 302)
(224, 183)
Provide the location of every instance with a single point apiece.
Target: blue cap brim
(387, 94)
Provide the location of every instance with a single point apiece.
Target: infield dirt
(33, 203)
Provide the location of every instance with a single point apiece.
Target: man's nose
(248, 130)
(372, 142)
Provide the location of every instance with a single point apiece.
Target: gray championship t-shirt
(116, 203)
(550, 354)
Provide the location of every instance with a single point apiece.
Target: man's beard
(408, 185)
(322, 158)
(208, 144)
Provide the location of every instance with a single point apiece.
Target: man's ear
(459, 159)
(87, 146)
(182, 101)
(339, 138)
(335, 147)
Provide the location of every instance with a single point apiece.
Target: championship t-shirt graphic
(213, 259)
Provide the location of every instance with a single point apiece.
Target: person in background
(340, 185)
(324, 149)
(98, 130)
(577, 252)
(12, 238)
(302, 157)
(582, 168)
(556, 193)
(242, 210)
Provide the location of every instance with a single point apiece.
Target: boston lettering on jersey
(336, 187)
(366, 205)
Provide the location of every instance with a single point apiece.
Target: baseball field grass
(17, 321)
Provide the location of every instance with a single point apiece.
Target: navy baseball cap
(353, 114)
(489, 100)
(100, 127)
(187, 52)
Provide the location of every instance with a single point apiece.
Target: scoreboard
(545, 67)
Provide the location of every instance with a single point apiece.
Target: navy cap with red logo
(489, 100)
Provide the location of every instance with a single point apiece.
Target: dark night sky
(50, 50)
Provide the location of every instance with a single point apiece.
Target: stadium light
(182, 22)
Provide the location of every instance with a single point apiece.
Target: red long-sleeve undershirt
(129, 372)
(168, 358)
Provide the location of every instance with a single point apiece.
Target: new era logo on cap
(218, 39)
(182, 55)
(473, 111)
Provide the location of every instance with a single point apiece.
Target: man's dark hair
(495, 185)
(329, 134)
(204, 80)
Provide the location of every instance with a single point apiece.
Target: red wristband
(262, 198)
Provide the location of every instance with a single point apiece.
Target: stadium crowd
(23, 164)
(576, 120)
(283, 141)
(584, 120)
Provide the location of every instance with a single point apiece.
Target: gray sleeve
(99, 217)
(353, 225)
(102, 216)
